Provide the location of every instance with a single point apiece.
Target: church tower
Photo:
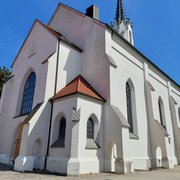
(122, 25)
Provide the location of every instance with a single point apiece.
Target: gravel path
(6, 173)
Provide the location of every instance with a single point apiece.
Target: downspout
(52, 105)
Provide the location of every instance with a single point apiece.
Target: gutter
(52, 106)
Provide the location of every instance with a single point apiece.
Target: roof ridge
(60, 4)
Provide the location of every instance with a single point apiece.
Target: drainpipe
(52, 105)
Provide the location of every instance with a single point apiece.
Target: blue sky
(156, 26)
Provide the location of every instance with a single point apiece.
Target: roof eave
(71, 94)
(142, 55)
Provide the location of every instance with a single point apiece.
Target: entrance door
(18, 142)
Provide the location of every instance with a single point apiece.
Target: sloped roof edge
(57, 35)
(78, 86)
(141, 54)
(75, 11)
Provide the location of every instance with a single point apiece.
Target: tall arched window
(28, 94)
(129, 106)
(161, 112)
(90, 129)
(62, 131)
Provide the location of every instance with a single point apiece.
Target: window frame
(161, 113)
(91, 133)
(129, 107)
(90, 129)
(28, 94)
(60, 141)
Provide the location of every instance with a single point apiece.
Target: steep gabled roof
(57, 35)
(78, 86)
(76, 12)
(109, 28)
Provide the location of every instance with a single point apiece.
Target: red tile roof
(78, 86)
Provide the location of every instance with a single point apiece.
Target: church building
(82, 99)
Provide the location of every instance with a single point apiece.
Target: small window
(161, 113)
(60, 142)
(129, 107)
(90, 129)
(62, 130)
(28, 94)
(179, 113)
(91, 139)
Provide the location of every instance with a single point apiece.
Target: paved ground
(6, 173)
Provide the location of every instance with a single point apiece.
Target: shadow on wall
(38, 137)
(113, 139)
(37, 153)
(72, 66)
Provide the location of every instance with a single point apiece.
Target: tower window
(129, 106)
(90, 129)
(60, 140)
(62, 131)
(28, 94)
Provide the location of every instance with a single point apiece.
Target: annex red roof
(78, 86)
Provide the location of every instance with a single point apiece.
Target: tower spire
(122, 25)
(120, 11)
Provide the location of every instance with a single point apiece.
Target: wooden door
(18, 142)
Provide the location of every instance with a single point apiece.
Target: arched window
(129, 106)
(62, 131)
(90, 129)
(161, 112)
(28, 94)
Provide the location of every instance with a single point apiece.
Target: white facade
(108, 62)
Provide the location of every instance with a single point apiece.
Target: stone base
(142, 164)
(123, 166)
(5, 159)
(39, 163)
(24, 163)
(91, 165)
(167, 163)
(73, 166)
(162, 163)
(57, 165)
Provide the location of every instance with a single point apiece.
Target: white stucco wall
(129, 68)
(74, 158)
(161, 90)
(13, 94)
(107, 63)
(69, 67)
(87, 34)
(91, 160)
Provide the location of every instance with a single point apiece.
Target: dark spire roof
(120, 11)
